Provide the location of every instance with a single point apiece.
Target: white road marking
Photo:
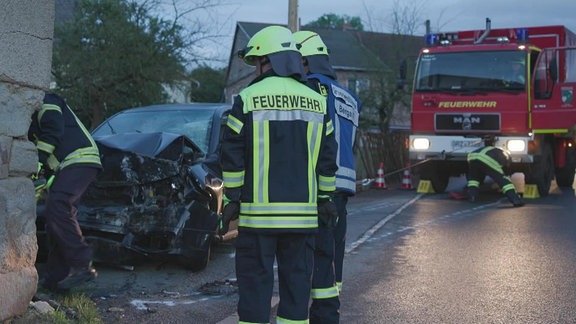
(381, 223)
(370, 232)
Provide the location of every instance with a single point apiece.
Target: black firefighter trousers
(67, 247)
(325, 307)
(255, 255)
(477, 171)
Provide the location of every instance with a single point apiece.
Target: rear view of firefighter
(344, 111)
(278, 161)
(489, 161)
(67, 151)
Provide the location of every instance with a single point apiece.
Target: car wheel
(197, 261)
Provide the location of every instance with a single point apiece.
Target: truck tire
(436, 174)
(565, 175)
(542, 171)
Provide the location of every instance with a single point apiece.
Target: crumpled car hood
(136, 158)
(143, 193)
(158, 144)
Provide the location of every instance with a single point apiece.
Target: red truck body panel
(520, 113)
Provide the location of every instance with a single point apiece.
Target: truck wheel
(542, 171)
(433, 172)
(565, 175)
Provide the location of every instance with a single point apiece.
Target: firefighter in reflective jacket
(278, 161)
(489, 161)
(344, 110)
(67, 151)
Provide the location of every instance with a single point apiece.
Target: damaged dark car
(160, 192)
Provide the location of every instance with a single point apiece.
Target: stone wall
(26, 31)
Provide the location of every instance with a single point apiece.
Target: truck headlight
(516, 145)
(420, 143)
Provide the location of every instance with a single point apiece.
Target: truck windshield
(472, 71)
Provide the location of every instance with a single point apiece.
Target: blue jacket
(344, 110)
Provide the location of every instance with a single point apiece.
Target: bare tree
(405, 18)
(389, 86)
(204, 29)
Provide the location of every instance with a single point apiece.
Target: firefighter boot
(77, 276)
(472, 194)
(514, 198)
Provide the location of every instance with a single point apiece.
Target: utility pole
(293, 24)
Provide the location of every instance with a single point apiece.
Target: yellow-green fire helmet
(279, 46)
(315, 52)
(310, 43)
(269, 40)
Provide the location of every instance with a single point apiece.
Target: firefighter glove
(327, 212)
(39, 172)
(41, 186)
(230, 212)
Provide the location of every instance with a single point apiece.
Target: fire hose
(368, 181)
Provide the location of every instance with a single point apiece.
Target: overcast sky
(444, 15)
(449, 14)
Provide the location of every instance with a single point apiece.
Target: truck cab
(515, 84)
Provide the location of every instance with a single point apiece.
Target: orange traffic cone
(406, 178)
(380, 182)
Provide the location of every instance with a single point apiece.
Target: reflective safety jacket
(60, 137)
(491, 156)
(278, 153)
(344, 111)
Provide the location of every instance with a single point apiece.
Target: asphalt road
(447, 261)
(411, 258)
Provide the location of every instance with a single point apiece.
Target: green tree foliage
(115, 55)
(207, 84)
(337, 22)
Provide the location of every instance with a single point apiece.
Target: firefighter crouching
(489, 161)
(278, 158)
(66, 151)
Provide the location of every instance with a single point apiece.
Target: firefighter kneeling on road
(489, 161)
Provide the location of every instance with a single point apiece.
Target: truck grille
(467, 122)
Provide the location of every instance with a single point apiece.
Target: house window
(352, 85)
(357, 86)
(363, 85)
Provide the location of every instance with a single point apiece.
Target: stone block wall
(26, 33)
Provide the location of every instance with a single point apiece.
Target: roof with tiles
(350, 50)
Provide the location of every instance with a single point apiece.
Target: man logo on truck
(466, 121)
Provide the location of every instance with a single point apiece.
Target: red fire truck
(516, 84)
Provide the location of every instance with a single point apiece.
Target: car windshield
(195, 124)
(465, 71)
